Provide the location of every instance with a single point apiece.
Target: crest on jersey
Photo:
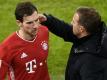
(44, 45)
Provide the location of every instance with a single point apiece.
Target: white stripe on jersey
(0, 63)
(12, 76)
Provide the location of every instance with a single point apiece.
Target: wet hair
(24, 9)
(89, 18)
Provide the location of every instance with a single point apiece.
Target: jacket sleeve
(59, 28)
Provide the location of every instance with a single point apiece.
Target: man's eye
(37, 20)
(29, 22)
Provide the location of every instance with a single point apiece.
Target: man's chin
(34, 33)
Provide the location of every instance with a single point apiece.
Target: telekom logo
(30, 66)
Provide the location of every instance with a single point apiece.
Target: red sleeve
(4, 62)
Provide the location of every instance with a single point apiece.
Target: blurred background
(62, 9)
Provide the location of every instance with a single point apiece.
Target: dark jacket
(88, 55)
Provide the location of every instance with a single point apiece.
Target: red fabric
(26, 60)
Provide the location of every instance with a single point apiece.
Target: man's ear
(82, 29)
(19, 23)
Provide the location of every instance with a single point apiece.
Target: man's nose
(36, 25)
(35, 22)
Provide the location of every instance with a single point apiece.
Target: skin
(29, 27)
(78, 29)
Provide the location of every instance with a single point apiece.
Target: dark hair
(24, 9)
(89, 18)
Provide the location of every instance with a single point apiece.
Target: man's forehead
(32, 17)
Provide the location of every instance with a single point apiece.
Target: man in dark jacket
(88, 56)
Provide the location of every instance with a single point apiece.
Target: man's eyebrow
(33, 20)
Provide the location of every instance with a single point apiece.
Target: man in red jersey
(23, 55)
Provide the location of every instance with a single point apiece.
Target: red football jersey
(25, 60)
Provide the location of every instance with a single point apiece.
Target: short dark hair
(24, 9)
(89, 18)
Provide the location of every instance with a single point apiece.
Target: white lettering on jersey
(41, 64)
(23, 55)
(30, 66)
(44, 45)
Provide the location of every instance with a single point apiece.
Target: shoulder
(43, 30)
(9, 40)
(104, 37)
(104, 43)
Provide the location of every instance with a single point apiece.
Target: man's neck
(26, 36)
(83, 35)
